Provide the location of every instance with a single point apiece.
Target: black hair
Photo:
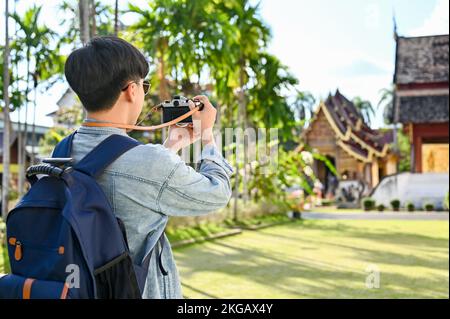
(98, 71)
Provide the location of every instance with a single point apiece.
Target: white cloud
(437, 22)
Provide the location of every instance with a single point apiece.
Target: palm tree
(365, 108)
(33, 44)
(99, 21)
(6, 129)
(271, 78)
(25, 39)
(251, 35)
(303, 106)
(180, 51)
(225, 39)
(387, 104)
(49, 66)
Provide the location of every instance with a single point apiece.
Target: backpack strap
(101, 156)
(105, 153)
(64, 147)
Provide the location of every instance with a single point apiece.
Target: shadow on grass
(329, 283)
(428, 245)
(200, 291)
(415, 240)
(276, 270)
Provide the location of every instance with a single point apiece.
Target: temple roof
(353, 135)
(422, 60)
(423, 109)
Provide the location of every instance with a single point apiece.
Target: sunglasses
(145, 85)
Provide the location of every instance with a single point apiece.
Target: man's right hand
(204, 120)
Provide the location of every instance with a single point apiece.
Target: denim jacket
(148, 184)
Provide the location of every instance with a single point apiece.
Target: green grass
(321, 259)
(184, 233)
(205, 230)
(260, 220)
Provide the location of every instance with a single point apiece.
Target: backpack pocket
(18, 287)
(34, 260)
(117, 279)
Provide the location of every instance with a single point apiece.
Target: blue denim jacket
(148, 184)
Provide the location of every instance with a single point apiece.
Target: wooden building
(358, 152)
(421, 100)
(14, 145)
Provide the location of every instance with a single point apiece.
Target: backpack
(63, 238)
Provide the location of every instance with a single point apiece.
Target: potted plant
(368, 204)
(429, 207)
(410, 207)
(395, 204)
(381, 207)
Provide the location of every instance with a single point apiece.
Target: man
(150, 182)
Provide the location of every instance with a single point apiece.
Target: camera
(178, 106)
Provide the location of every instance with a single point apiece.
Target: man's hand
(201, 127)
(204, 120)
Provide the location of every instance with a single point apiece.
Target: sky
(327, 44)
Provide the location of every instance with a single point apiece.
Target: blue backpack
(63, 238)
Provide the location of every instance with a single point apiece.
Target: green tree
(267, 106)
(51, 138)
(252, 34)
(365, 108)
(404, 148)
(16, 96)
(303, 106)
(99, 21)
(386, 103)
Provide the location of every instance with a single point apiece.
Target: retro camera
(178, 106)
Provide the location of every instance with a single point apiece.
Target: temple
(421, 100)
(359, 153)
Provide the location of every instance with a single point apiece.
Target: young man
(150, 182)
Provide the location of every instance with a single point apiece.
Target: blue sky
(327, 44)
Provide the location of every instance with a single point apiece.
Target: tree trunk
(83, 6)
(33, 134)
(116, 18)
(163, 86)
(240, 119)
(92, 14)
(6, 129)
(23, 140)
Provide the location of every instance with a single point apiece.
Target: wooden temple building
(359, 153)
(421, 100)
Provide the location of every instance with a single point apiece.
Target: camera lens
(176, 103)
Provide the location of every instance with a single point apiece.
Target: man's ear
(130, 93)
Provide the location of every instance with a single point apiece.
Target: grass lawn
(321, 259)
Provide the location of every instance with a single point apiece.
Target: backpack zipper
(18, 251)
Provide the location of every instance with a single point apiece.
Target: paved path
(378, 216)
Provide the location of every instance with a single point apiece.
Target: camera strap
(143, 128)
